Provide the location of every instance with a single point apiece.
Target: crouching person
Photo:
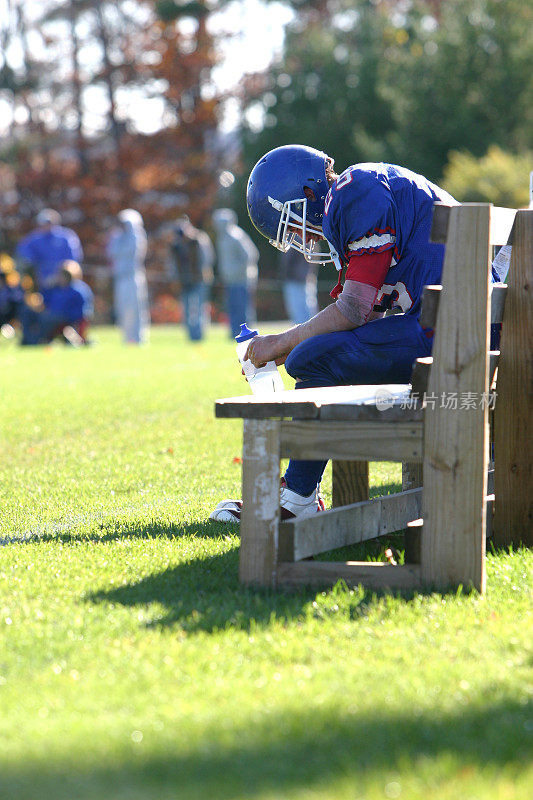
(77, 284)
(67, 311)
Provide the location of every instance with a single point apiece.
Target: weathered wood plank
(412, 479)
(431, 299)
(260, 492)
(399, 412)
(372, 575)
(497, 302)
(456, 441)
(411, 476)
(254, 408)
(328, 402)
(439, 223)
(500, 230)
(335, 412)
(420, 377)
(348, 525)
(513, 424)
(413, 533)
(430, 305)
(350, 482)
(413, 542)
(422, 368)
(309, 439)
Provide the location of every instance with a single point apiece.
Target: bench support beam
(372, 575)
(349, 525)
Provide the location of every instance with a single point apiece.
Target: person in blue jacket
(43, 251)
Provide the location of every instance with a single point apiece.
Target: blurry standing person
(237, 259)
(42, 252)
(299, 282)
(191, 263)
(126, 250)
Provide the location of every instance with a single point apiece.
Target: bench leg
(412, 479)
(260, 493)
(456, 441)
(350, 482)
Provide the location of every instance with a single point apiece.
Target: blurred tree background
(113, 105)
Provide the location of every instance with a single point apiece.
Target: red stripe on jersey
(369, 268)
(382, 230)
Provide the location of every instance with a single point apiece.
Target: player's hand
(265, 348)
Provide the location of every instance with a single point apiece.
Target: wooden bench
(448, 446)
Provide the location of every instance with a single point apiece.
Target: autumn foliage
(88, 176)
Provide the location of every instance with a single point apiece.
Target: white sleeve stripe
(376, 240)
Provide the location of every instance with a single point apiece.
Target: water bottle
(262, 380)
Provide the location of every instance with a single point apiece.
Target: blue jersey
(375, 207)
(65, 302)
(47, 249)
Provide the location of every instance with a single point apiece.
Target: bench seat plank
(381, 402)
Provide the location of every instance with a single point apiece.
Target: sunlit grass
(134, 665)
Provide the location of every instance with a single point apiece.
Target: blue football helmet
(285, 197)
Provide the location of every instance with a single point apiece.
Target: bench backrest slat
(513, 424)
(431, 298)
(456, 441)
(501, 224)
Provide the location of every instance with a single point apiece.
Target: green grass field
(134, 665)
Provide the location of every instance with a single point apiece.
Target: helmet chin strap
(334, 256)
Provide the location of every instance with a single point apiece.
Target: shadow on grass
(205, 594)
(292, 752)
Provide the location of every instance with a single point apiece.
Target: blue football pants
(382, 351)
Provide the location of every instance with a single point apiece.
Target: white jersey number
(343, 180)
(390, 296)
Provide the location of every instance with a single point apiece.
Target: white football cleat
(227, 511)
(291, 505)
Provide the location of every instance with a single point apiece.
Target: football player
(373, 220)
